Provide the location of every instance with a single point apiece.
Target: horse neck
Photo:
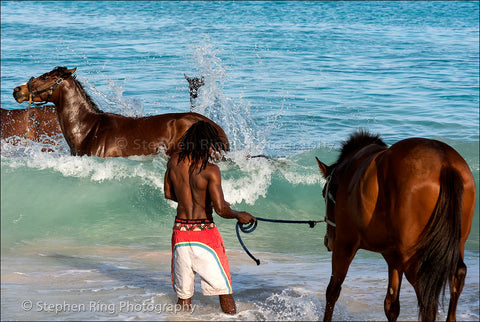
(76, 113)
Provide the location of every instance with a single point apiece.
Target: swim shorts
(197, 248)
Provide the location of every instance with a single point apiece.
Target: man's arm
(222, 208)
(168, 187)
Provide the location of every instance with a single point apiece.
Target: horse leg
(392, 300)
(456, 286)
(341, 259)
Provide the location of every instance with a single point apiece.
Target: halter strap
(329, 197)
(32, 94)
(50, 89)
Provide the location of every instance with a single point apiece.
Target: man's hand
(245, 217)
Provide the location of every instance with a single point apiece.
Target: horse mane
(87, 96)
(357, 140)
(61, 70)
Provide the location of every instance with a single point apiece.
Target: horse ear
(71, 71)
(322, 166)
(186, 77)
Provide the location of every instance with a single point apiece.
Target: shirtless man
(197, 247)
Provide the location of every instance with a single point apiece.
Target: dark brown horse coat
(90, 131)
(413, 203)
(36, 124)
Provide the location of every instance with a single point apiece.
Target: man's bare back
(198, 192)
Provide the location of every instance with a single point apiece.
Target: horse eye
(44, 77)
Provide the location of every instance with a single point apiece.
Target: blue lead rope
(250, 227)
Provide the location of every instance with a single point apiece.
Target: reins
(250, 227)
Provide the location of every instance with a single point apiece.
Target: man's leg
(186, 304)
(228, 304)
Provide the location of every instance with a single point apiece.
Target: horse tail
(439, 248)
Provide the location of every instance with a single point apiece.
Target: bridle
(329, 197)
(32, 93)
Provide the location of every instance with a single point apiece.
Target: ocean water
(84, 238)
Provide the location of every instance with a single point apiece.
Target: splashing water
(233, 117)
(113, 100)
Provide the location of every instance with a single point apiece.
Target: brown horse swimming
(413, 203)
(37, 124)
(90, 131)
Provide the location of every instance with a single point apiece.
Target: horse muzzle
(20, 93)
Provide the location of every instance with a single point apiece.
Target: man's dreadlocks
(196, 143)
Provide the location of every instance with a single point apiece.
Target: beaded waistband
(193, 224)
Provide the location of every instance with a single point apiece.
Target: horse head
(41, 89)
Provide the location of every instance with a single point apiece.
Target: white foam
(247, 179)
(93, 168)
(298, 174)
(244, 179)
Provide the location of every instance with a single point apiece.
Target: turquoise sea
(84, 238)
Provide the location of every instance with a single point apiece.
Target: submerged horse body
(90, 131)
(37, 124)
(412, 202)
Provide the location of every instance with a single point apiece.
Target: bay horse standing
(37, 124)
(413, 203)
(90, 131)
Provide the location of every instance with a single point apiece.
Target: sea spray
(234, 117)
(112, 98)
